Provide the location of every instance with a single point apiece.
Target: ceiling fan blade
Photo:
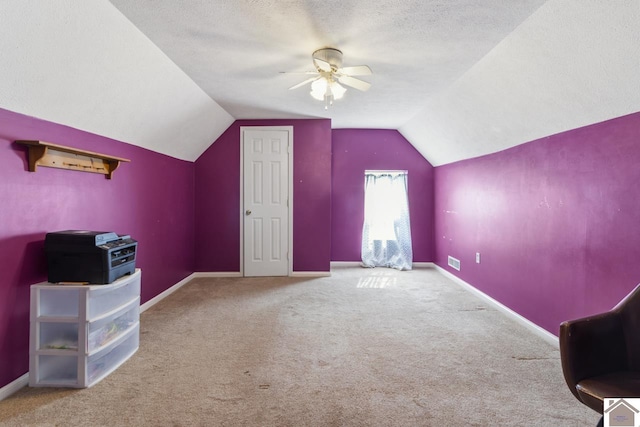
(354, 83)
(304, 83)
(322, 64)
(358, 70)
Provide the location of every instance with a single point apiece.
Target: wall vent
(454, 263)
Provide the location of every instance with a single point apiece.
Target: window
(386, 233)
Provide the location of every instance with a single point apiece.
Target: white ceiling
(234, 50)
(459, 79)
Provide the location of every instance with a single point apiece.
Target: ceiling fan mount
(329, 55)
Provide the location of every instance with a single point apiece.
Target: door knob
(248, 212)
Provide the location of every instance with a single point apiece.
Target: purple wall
(356, 150)
(151, 198)
(218, 197)
(556, 221)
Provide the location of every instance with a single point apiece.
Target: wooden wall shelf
(58, 156)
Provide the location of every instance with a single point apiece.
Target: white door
(265, 201)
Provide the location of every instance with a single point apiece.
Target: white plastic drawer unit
(80, 334)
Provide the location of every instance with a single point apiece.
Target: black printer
(96, 257)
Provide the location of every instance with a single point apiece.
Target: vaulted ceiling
(458, 79)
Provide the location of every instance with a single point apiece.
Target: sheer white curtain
(386, 233)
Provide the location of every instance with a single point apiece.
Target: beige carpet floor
(364, 347)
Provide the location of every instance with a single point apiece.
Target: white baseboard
(14, 386)
(238, 274)
(345, 264)
(423, 265)
(310, 273)
(212, 274)
(542, 333)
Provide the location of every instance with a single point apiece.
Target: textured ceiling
(234, 50)
(458, 79)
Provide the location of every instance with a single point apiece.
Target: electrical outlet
(477, 257)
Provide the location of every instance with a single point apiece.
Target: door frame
(289, 130)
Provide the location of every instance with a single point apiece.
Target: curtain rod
(385, 172)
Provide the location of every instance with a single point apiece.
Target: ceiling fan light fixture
(337, 90)
(319, 88)
(327, 90)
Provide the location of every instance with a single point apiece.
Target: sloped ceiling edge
(84, 65)
(568, 65)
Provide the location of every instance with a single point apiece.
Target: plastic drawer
(59, 301)
(58, 336)
(103, 331)
(103, 300)
(57, 369)
(103, 363)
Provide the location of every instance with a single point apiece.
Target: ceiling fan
(325, 85)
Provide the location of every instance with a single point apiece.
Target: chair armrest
(592, 346)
